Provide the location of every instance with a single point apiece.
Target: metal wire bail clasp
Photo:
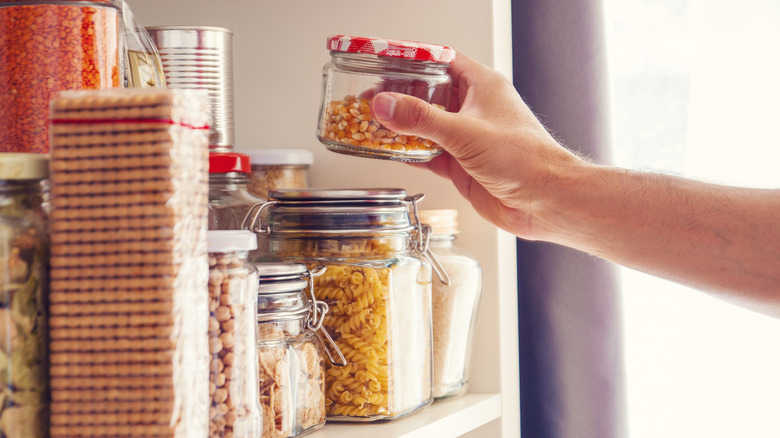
(421, 245)
(319, 309)
(252, 221)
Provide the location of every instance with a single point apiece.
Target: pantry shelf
(445, 418)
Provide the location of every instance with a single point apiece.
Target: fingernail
(384, 106)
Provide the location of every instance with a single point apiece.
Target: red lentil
(46, 48)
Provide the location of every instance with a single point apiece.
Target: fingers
(410, 115)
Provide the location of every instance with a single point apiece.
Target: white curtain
(695, 87)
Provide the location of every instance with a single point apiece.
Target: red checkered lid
(391, 48)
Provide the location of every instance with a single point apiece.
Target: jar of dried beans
(24, 258)
(377, 284)
(47, 46)
(233, 383)
(274, 169)
(290, 353)
(454, 305)
(359, 68)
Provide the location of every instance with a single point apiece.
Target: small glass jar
(361, 67)
(454, 305)
(291, 366)
(24, 258)
(377, 284)
(49, 46)
(229, 200)
(274, 169)
(233, 384)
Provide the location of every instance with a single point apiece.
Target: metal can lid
(231, 240)
(226, 162)
(443, 221)
(391, 48)
(260, 157)
(23, 166)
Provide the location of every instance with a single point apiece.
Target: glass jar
(291, 366)
(274, 169)
(24, 255)
(229, 200)
(377, 284)
(233, 384)
(454, 305)
(361, 67)
(47, 46)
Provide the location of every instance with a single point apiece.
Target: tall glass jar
(292, 373)
(377, 284)
(361, 67)
(48, 46)
(233, 384)
(24, 255)
(454, 305)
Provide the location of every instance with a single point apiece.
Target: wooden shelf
(445, 418)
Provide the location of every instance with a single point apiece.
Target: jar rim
(23, 166)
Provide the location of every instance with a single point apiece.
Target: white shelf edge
(444, 418)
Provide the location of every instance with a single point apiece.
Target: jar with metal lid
(24, 258)
(454, 305)
(233, 384)
(274, 169)
(361, 67)
(48, 46)
(291, 366)
(377, 284)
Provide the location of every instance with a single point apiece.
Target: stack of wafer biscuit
(129, 270)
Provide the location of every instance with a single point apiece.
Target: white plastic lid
(231, 240)
(280, 156)
(23, 166)
(443, 221)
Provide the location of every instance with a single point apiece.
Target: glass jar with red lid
(361, 67)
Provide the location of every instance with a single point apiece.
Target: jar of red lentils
(47, 46)
(361, 67)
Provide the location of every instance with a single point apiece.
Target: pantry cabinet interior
(279, 51)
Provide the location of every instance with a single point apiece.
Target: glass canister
(24, 255)
(454, 305)
(291, 366)
(359, 68)
(48, 46)
(377, 284)
(233, 384)
(274, 169)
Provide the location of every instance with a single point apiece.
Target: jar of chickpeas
(377, 284)
(290, 353)
(361, 67)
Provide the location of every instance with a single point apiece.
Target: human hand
(498, 155)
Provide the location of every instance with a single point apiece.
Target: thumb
(410, 115)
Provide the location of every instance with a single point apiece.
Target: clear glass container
(291, 365)
(24, 258)
(377, 284)
(361, 67)
(454, 305)
(274, 169)
(48, 46)
(229, 200)
(233, 384)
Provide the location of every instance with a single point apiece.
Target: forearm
(724, 240)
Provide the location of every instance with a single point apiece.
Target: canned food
(359, 68)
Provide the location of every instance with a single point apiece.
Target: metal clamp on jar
(292, 375)
(377, 284)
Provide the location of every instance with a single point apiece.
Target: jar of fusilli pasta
(377, 284)
(290, 354)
